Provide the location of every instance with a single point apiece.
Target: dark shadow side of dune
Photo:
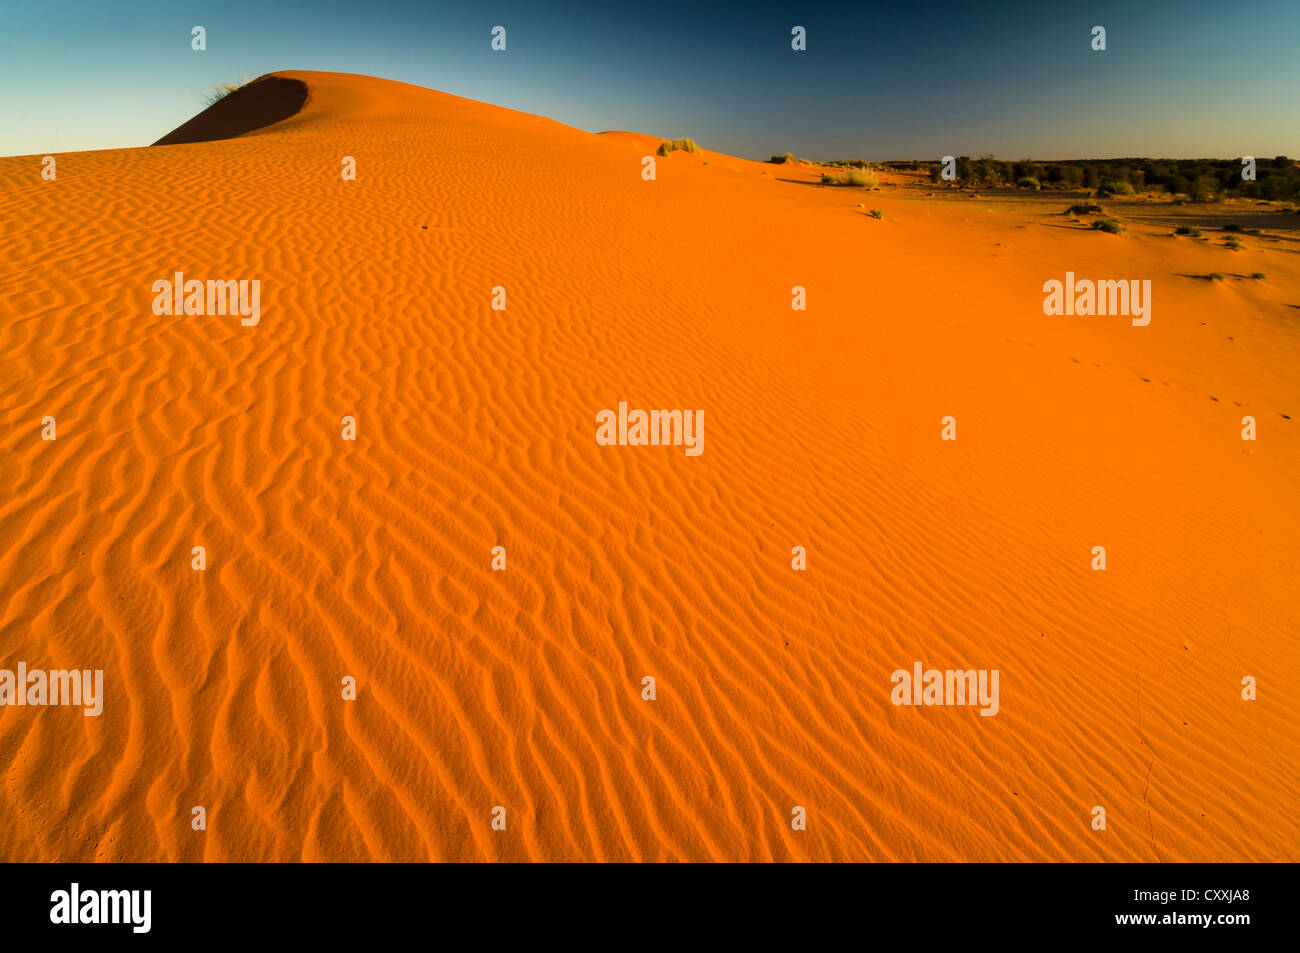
(261, 103)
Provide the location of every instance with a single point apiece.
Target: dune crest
(263, 102)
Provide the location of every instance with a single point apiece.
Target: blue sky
(912, 80)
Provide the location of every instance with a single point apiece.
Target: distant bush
(1114, 226)
(1232, 228)
(1234, 243)
(1029, 184)
(1215, 276)
(1105, 193)
(785, 159)
(1188, 230)
(677, 145)
(1259, 276)
(1120, 187)
(877, 213)
(1206, 189)
(1084, 208)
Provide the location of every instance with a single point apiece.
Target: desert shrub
(1215, 276)
(677, 145)
(1114, 226)
(857, 178)
(1259, 276)
(1188, 230)
(877, 213)
(1234, 243)
(785, 159)
(1105, 193)
(1028, 183)
(1120, 187)
(1084, 208)
(1232, 228)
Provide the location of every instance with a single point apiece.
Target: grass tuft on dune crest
(220, 92)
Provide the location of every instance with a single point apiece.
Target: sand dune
(476, 429)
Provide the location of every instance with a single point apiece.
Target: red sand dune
(476, 428)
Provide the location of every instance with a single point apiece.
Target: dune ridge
(263, 102)
(476, 429)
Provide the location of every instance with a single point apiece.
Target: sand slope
(477, 428)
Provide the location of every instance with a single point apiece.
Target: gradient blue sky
(903, 80)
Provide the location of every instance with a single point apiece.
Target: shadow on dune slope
(261, 103)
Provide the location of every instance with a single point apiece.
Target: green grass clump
(786, 159)
(1084, 208)
(877, 213)
(669, 146)
(1234, 243)
(1189, 230)
(1259, 276)
(1215, 276)
(1111, 225)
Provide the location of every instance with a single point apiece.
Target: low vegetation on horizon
(1195, 180)
(1200, 180)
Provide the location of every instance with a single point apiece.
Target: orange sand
(477, 428)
